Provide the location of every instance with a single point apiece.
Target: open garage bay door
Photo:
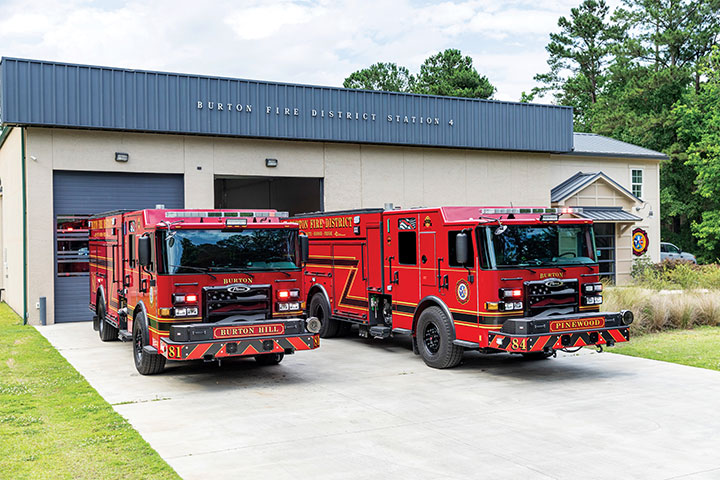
(76, 196)
(286, 194)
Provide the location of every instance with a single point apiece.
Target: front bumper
(526, 335)
(210, 341)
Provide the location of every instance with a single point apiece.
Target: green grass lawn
(699, 347)
(53, 424)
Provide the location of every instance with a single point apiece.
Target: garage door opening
(286, 194)
(77, 196)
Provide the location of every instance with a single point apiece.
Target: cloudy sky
(313, 42)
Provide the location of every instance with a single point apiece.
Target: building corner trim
(24, 214)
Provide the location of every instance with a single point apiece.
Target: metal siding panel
(56, 94)
(72, 299)
(119, 190)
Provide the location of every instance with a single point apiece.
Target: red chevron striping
(298, 343)
(199, 351)
(540, 344)
(617, 336)
(250, 350)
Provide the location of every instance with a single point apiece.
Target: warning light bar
(204, 214)
(518, 211)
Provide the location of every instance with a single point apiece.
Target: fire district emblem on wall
(640, 241)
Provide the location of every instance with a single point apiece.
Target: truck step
(125, 336)
(402, 331)
(378, 331)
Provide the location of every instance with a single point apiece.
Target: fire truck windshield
(538, 245)
(218, 251)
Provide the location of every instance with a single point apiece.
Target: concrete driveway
(357, 409)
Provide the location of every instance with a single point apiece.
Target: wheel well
(426, 303)
(138, 308)
(100, 298)
(311, 293)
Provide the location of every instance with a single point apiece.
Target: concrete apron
(357, 409)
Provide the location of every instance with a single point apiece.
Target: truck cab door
(428, 259)
(373, 253)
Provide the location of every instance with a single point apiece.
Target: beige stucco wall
(11, 225)
(354, 176)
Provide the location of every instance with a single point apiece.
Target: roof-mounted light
(530, 211)
(236, 222)
(218, 214)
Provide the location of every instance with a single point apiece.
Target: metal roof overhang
(608, 214)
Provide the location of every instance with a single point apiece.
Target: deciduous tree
(447, 73)
(381, 76)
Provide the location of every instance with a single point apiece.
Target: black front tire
(145, 363)
(267, 359)
(320, 309)
(434, 339)
(107, 332)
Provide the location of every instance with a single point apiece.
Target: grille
(252, 302)
(552, 293)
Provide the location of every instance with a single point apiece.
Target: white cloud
(300, 41)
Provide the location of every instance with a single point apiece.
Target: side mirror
(304, 248)
(461, 248)
(144, 250)
(500, 230)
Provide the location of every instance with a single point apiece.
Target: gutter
(24, 206)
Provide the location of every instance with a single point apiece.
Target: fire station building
(78, 140)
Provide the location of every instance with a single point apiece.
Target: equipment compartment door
(373, 257)
(349, 285)
(428, 259)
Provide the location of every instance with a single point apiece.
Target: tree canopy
(446, 73)
(641, 75)
(381, 76)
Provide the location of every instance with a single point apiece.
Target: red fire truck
(519, 280)
(199, 285)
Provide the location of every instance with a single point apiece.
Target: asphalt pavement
(358, 409)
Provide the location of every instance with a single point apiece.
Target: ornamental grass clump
(657, 310)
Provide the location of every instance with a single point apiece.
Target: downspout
(24, 203)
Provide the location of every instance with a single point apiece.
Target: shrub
(670, 275)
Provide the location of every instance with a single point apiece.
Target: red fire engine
(519, 280)
(199, 284)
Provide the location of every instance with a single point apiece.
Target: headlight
(627, 317)
(286, 307)
(313, 325)
(181, 312)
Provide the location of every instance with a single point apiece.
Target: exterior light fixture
(645, 204)
(122, 157)
(271, 162)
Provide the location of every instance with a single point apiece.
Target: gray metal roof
(608, 214)
(595, 145)
(581, 180)
(53, 94)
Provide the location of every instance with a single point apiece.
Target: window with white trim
(636, 182)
